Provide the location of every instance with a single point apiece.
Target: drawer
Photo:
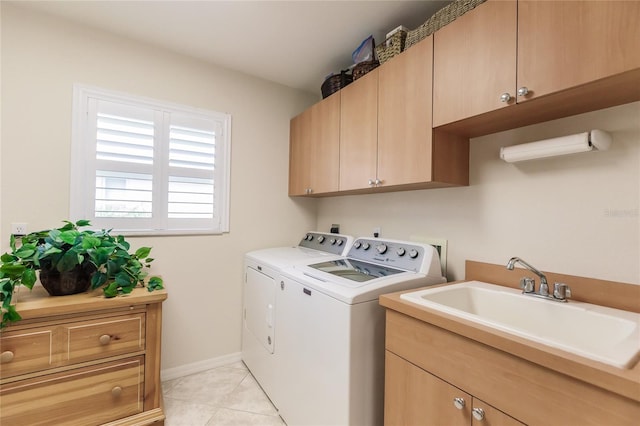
(26, 351)
(86, 396)
(94, 339)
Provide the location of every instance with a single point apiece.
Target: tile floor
(222, 396)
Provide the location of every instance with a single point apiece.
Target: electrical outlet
(376, 231)
(19, 228)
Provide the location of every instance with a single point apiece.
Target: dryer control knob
(333, 241)
(321, 239)
(382, 249)
(401, 252)
(340, 242)
(366, 246)
(309, 237)
(357, 245)
(413, 253)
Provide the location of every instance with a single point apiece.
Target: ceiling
(296, 43)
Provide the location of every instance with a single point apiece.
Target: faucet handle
(561, 291)
(528, 285)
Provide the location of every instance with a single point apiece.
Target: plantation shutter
(124, 161)
(151, 168)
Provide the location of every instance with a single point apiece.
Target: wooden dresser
(82, 360)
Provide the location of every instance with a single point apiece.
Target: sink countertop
(625, 382)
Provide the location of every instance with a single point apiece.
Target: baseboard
(200, 366)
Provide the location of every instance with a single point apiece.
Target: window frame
(83, 167)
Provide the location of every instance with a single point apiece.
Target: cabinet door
(414, 397)
(475, 62)
(404, 116)
(563, 44)
(491, 416)
(300, 154)
(359, 132)
(325, 153)
(314, 148)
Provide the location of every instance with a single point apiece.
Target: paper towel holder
(598, 140)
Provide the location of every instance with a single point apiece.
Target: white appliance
(262, 280)
(330, 364)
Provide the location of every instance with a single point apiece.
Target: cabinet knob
(7, 356)
(105, 339)
(478, 414)
(377, 182)
(523, 91)
(116, 391)
(458, 403)
(370, 182)
(505, 97)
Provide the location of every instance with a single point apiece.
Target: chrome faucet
(561, 291)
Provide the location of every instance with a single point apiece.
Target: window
(141, 166)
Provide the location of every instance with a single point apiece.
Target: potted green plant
(70, 261)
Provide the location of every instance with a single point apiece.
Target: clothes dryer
(262, 269)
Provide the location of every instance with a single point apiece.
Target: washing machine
(262, 269)
(330, 365)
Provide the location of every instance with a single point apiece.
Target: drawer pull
(116, 392)
(6, 356)
(105, 339)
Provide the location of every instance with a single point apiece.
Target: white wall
(43, 57)
(577, 214)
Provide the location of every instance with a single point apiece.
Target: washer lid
(355, 270)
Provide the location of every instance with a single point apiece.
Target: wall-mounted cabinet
(314, 148)
(564, 44)
(503, 65)
(386, 140)
(568, 57)
(359, 133)
(475, 62)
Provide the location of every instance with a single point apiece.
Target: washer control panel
(330, 243)
(396, 254)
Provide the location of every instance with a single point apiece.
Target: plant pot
(74, 281)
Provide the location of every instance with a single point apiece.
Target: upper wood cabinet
(562, 44)
(386, 137)
(507, 52)
(359, 133)
(475, 62)
(314, 148)
(405, 149)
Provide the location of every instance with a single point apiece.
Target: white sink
(608, 335)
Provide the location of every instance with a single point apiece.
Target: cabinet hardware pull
(116, 391)
(105, 339)
(478, 414)
(458, 403)
(505, 97)
(6, 357)
(523, 91)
